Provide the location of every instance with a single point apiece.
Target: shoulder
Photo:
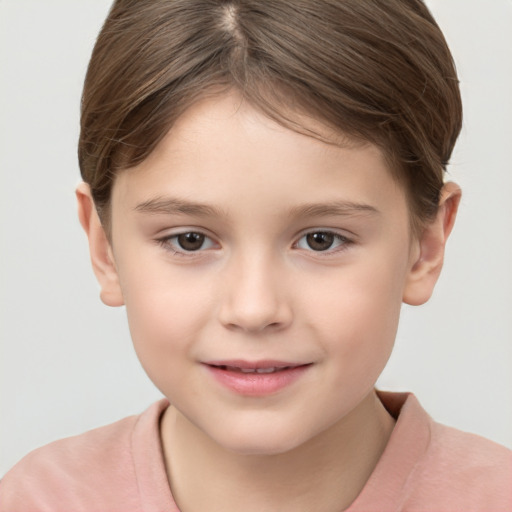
(70, 473)
(462, 471)
(429, 466)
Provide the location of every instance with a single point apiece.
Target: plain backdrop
(66, 360)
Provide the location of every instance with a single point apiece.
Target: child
(263, 189)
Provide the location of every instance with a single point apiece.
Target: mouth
(256, 378)
(270, 369)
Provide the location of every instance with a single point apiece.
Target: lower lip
(257, 384)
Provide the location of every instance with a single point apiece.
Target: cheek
(358, 313)
(361, 296)
(165, 314)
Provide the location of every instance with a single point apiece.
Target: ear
(428, 250)
(102, 257)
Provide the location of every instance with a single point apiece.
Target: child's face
(301, 258)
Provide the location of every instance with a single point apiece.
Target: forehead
(224, 151)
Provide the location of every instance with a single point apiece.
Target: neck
(325, 474)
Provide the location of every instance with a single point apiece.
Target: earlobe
(102, 258)
(428, 257)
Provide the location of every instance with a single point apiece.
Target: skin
(256, 290)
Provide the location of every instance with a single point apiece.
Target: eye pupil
(320, 241)
(191, 241)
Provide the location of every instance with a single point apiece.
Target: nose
(256, 297)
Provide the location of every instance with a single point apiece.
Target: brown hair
(375, 70)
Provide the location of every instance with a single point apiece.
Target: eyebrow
(333, 208)
(173, 206)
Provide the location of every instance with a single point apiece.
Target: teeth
(271, 369)
(265, 370)
(251, 370)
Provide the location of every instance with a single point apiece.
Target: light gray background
(66, 360)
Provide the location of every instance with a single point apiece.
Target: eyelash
(168, 245)
(342, 241)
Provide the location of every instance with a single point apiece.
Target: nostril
(250, 306)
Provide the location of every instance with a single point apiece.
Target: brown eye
(320, 241)
(191, 241)
(328, 242)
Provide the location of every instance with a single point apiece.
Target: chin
(262, 449)
(261, 442)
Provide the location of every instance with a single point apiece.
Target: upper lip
(254, 365)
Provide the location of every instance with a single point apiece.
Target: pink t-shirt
(120, 467)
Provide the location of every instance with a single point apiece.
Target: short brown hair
(375, 70)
